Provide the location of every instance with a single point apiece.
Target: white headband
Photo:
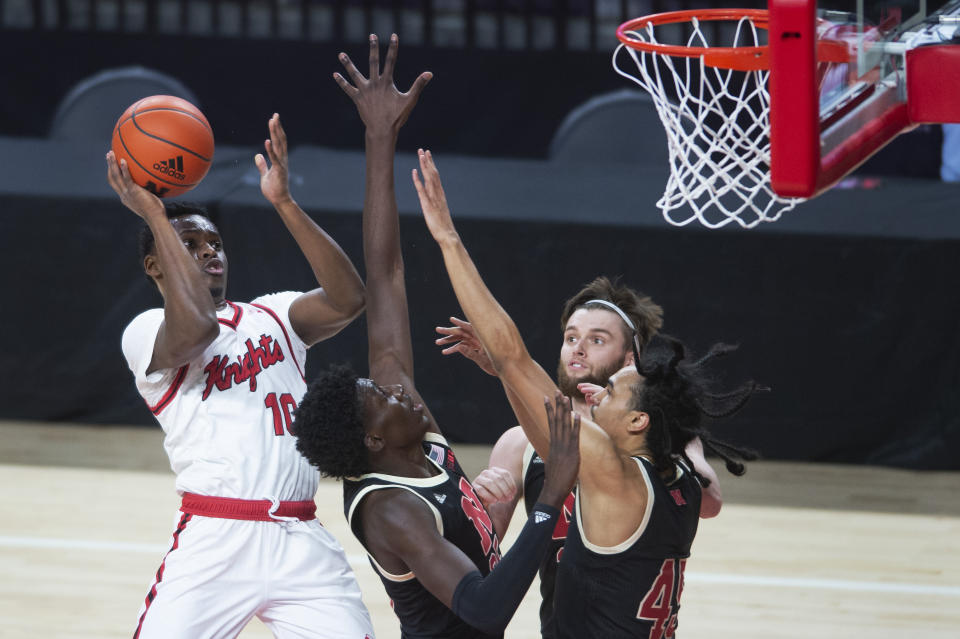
(626, 320)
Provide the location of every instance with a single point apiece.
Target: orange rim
(739, 58)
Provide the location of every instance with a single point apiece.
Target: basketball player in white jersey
(223, 379)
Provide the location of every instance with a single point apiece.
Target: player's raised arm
(189, 309)
(493, 326)
(383, 110)
(325, 311)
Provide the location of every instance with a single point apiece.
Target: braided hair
(676, 392)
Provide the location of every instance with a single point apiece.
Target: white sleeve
(279, 304)
(138, 341)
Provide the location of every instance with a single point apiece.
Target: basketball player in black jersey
(638, 495)
(405, 495)
(599, 325)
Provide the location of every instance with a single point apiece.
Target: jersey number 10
(283, 409)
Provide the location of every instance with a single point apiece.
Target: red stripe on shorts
(153, 589)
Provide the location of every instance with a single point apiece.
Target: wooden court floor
(800, 550)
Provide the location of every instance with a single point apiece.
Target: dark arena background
(846, 307)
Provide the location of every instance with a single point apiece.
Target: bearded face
(598, 376)
(594, 348)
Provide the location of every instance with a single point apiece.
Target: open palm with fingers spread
(382, 107)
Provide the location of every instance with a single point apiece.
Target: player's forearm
(500, 514)
(494, 327)
(488, 603)
(532, 427)
(381, 223)
(331, 266)
(390, 350)
(711, 499)
(190, 316)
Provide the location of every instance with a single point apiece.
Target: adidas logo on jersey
(172, 167)
(539, 516)
(440, 497)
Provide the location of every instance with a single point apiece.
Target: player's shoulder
(149, 315)
(513, 439)
(276, 301)
(508, 451)
(148, 320)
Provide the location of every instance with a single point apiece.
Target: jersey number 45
(662, 601)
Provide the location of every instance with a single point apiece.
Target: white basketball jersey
(227, 414)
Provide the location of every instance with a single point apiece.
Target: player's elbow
(473, 605)
(356, 304)
(351, 304)
(710, 507)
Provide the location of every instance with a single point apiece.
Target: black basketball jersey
(533, 477)
(632, 589)
(461, 519)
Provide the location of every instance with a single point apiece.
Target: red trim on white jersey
(153, 589)
(171, 392)
(285, 335)
(237, 314)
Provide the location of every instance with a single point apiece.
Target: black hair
(145, 240)
(328, 424)
(677, 393)
(647, 316)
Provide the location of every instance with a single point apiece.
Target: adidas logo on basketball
(172, 167)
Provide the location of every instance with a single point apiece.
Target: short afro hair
(145, 240)
(328, 425)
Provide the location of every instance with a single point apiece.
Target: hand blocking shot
(638, 493)
(407, 499)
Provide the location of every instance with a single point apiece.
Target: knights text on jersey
(631, 590)
(461, 519)
(533, 478)
(227, 413)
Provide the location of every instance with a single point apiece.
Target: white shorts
(220, 573)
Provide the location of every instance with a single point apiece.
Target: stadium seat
(91, 108)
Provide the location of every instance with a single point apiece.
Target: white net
(718, 131)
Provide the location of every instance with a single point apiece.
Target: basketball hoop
(714, 105)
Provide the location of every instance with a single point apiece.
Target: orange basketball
(167, 143)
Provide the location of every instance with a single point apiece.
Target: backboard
(847, 76)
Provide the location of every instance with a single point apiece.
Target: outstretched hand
(563, 463)
(134, 197)
(465, 342)
(382, 107)
(433, 201)
(275, 179)
(591, 392)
